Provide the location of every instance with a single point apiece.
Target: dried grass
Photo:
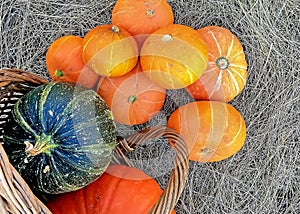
(264, 176)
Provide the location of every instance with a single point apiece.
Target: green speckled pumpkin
(60, 137)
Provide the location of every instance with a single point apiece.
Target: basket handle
(178, 177)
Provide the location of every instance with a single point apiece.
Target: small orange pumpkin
(226, 74)
(120, 189)
(109, 50)
(213, 130)
(174, 56)
(132, 97)
(142, 17)
(64, 62)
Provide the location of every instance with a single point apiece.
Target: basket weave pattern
(16, 196)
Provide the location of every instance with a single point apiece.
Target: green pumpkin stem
(44, 144)
(132, 99)
(59, 73)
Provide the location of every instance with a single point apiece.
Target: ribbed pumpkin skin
(75, 130)
(140, 17)
(174, 56)
(64, 62)
(120, 190)
(109, 50)
(226, 74)
(213, 130)
(132, 98)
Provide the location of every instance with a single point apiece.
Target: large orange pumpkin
(109, 50)
(64, 62)
(133, 98)
(142, 17)
(174, 56)
(213, 130)
(120, 189)
(226, 74)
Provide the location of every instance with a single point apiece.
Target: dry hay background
(264, 176)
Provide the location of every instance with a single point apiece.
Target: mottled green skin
(77, 132)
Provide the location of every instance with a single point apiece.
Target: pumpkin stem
(115, 29)
(44, 144)
(59, 73)
(207, 151)
(132, 99)
(150, 12)
(167, 38)
(222, 63)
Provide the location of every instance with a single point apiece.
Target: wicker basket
(16, 196)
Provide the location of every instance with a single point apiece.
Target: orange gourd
(225, 76)
(120, 189)
(132, 97)
(109, 50)
(64, 62)
(140, 17)
(213, 130)
(174, 56)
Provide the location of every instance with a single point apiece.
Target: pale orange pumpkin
(109, 50)
(174, 56)
(213, 130)
(226, 74)
(132, 98)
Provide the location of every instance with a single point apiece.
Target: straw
(264, 176)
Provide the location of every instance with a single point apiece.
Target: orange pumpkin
(213, 130)
(64, 62)
(225, 76)
(142, 17)
(109, 50)
(174, 56)
(133, 98)
(120, 189)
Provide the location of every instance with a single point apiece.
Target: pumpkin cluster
(131, 63)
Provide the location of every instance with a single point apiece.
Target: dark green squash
(60, 137)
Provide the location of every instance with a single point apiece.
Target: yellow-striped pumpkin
(225, 76)
(109, 50)
(213, 130)
(174, 56)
